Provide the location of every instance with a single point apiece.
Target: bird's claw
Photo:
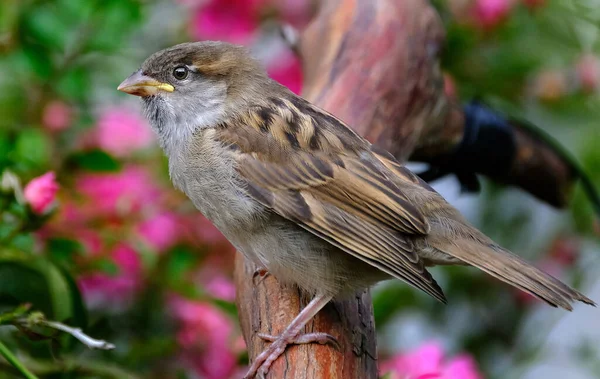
(262, 363)
(320, 338)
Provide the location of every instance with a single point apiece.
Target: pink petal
(588, 71)
(462, 367)
(118, 193)
(57, 115)
(221, 287)
(161, 231)
(231, 21)
(103, 290)
(490, 13)
(40, 192)
(121, 131)
(287, 70)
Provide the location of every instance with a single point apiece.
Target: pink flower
(57, 115)
(104, 290)
(461, 367)
(295, 12)
(227, 20)
(118, 193)
(220, 287)
(427, 362)
(205, 334)
(287, 70)
(588, 72)
(490, 13)
(120, 131)
(40, 192)
(161, 231)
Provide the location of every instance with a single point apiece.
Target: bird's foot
(262, 363)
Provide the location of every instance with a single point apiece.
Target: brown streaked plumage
(298, 192)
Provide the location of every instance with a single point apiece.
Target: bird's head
(195, 85)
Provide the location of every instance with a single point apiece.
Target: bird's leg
(290, 336)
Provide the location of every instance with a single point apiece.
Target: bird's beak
(139, 84)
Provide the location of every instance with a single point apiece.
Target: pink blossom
(220, 287)
(490, 13)
(295, 12)
(227, 20)
(588, 72)
(205, 334)
(100, 289)
(91, 241)
(40, 192)
(57, 115)
(427, 362)
(461, 367)
(287, 70)
(120, 131)
(161, 231)
(118, 193)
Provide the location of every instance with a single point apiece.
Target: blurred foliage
(127, 259)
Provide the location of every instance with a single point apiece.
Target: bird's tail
(511, 269)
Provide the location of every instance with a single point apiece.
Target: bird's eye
(180, 72)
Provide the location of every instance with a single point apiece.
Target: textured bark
(374, 64)
(265, 307)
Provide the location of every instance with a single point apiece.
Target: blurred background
(93, 235)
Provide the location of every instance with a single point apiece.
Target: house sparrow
(299, 193)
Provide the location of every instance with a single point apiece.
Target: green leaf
(63, 250)
(5, 147)
(45, 26)
(181, 261)
(33, 146)
(9, 12)
(107, 266)
(226, 306)
(74, 84)
(38, 60)
(30, 279)
(113, 20)
(96, 160)
(388, 300)
(80, 314)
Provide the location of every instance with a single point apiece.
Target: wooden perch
(374, 64)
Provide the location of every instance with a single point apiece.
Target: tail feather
(513, 270)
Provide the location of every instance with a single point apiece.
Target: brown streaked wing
(346, 199)
(375, 244)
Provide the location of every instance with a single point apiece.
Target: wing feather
(340, 192)
(367, 221)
